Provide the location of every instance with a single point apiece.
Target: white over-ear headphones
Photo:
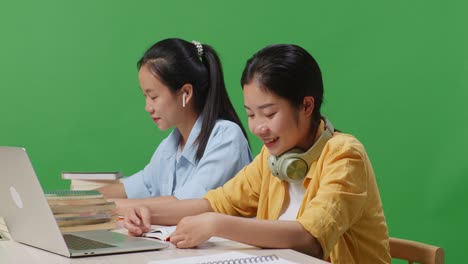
(184, 98)
(294, 164)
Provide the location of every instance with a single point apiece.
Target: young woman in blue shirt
(184, 88)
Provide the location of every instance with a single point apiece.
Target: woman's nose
(148, 107)
(261, 130)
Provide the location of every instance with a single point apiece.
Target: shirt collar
(190, 149)
(320, 130)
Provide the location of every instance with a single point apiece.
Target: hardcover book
(66, 209)
(77, 228)
(92, 175)
(71, 195)
(90, 184)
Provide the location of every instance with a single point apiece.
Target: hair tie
(199, 47)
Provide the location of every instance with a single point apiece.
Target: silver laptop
(30, 220)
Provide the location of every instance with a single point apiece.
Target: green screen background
(395, 75)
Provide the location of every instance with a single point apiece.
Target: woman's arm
(116, 193)
(139, 219)
(115, 190)
(192, 231)
(124, 204)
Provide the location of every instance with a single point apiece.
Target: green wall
(395, 73)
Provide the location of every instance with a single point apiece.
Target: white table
(13, 252)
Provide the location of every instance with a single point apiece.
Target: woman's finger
(132, 229)
(183, 244)
(132, 216)
(145, 217)
(174, 239)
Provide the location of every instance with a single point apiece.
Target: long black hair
(176, 62)
(288, 71)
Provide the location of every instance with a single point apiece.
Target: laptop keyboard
(81, 243)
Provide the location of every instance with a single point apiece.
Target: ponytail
(217, 104)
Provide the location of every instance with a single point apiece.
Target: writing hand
(137, 220)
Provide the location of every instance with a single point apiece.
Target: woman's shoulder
(343, 142)
(228, 128)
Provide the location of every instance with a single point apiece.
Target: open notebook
(160, 232)
(228, 257)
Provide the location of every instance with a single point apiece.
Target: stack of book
(81, 210)
(91, 180)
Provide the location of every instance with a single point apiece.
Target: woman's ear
(186, 93)
(308, 105)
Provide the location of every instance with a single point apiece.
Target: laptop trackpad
(80, 243)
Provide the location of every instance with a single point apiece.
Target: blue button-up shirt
(226, 153)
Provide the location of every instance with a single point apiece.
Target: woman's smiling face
(279, 125)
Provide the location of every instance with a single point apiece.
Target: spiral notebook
(228, 257)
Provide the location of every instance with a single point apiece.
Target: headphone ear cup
(293, 168)
(289, 166)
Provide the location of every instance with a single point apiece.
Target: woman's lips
(270, 143)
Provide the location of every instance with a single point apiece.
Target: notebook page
(160, 232)
(223, 257)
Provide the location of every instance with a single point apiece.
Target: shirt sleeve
(135, 186)
(139, 185)
(241, 195)
(226, 153)
(340, 199)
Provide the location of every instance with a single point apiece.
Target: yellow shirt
(341, 206)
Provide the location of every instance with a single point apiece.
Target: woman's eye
(270, 115)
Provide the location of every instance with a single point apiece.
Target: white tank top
(296, 193)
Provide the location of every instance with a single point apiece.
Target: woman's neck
(185, 127)
(311, 135)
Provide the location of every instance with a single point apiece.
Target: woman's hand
(194, 230)
(137, 220)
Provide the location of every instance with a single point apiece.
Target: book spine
(87, 221)
(91, 175)
(103, 226)
(75, 197)
(78, 185)
(63, 209)
(61, 218)
(86, 214)
(78, 202)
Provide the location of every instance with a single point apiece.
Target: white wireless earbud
(184, 98)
